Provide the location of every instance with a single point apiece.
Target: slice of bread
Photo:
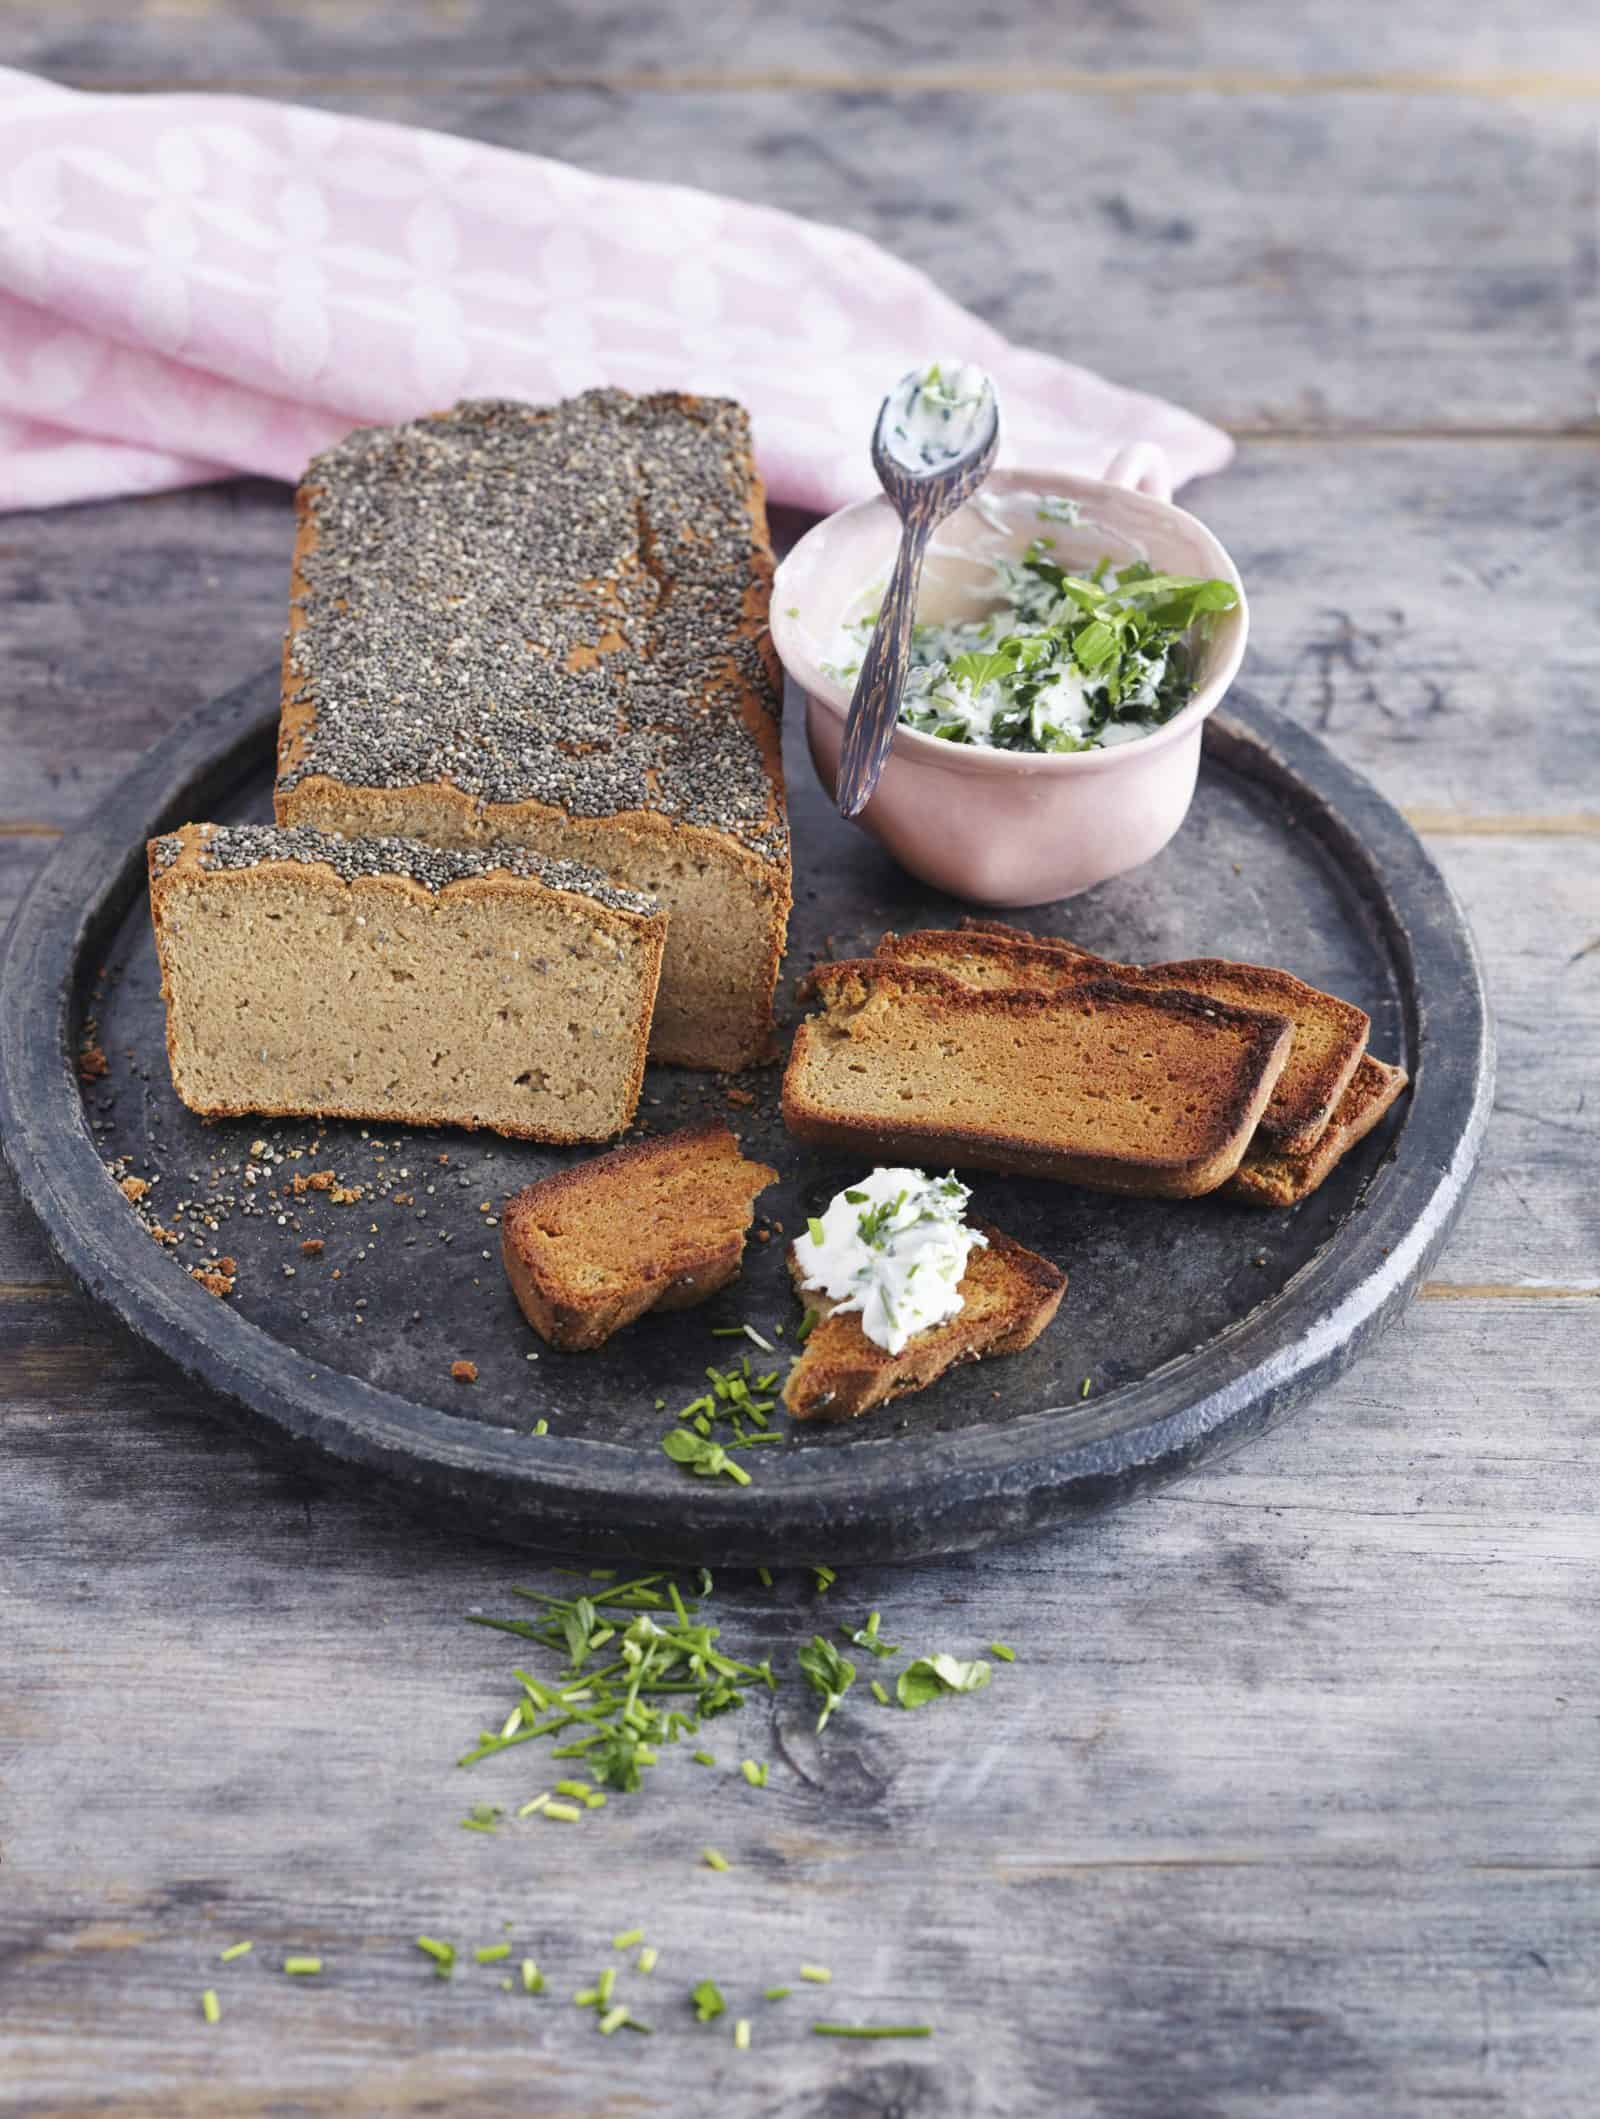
(658, 1225)
(376, 978)
(1126, 1088)
(1001, 959)
(1008, 1295)
(1330, 1035)
(1269, 1178)
(547, 626)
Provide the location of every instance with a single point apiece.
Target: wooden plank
(1333, 283)
(119, 618)
(420, 41)
(1224, 1825)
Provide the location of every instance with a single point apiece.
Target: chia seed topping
(541, 605)
(233, 846)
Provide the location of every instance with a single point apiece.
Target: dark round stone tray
(1196, 1325)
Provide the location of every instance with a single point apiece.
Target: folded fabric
(195, 285)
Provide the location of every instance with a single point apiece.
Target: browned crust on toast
(1010, 1294)
(1237, 1053)
(645, 1266)
(1269, 1178)
(1330, 1034)
(186, 873)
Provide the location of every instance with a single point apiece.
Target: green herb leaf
(707, 1999)
(932, 1676)
(829, 1673)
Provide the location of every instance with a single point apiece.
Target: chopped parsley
(1063, 662)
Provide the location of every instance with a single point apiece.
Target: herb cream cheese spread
(1060, 660)
(936, 414)
(894, 1248)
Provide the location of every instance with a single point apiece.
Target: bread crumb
(464, 1371)
(92, 1064)
(133, 1188)
(312, 1247)
(217, 1280)
(344, 1195)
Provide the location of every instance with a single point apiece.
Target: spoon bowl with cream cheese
(1016, 775)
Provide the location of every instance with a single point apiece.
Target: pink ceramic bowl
(1007, 827)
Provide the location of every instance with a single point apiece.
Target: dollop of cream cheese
(936, 414)
(894, 1248)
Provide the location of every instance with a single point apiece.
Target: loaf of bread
(380, 979)
(1269, 1178)
(548, 627)
(658, 1225)
(1008, 1296)
(1128, 1088)
(1330, 1035)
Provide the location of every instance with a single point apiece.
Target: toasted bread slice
(659, 1225)
(1126, 1088)
(1001, 959)
(1330, 1035)
(1008, 1295)
(1269, 1178)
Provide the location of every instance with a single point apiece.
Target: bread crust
(1010, 1294)
(1269, 1178)
(1261, 1041)
(668, 1270)
(186, 873)
(740, 1035)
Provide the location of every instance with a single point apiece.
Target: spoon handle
(875, 703)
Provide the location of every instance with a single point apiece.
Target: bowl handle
(1143, 467)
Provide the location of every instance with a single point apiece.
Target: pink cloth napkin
(195, 285)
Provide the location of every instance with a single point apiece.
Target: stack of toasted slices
(1008, 1295)
(989, 1048)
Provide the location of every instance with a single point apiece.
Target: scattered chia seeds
(542, 605)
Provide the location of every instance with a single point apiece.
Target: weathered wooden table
(1290, 1802)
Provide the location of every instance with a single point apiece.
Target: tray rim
(569, 1492)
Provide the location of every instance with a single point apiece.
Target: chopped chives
(541, 1427)
(872, 2030)
(613, 2019)
(605, 1983)
(741, 2034)
(707, 1999)
(1085, 1391)
(627, 1939)
(879, 1694)
(210, 2007)
(492, 1952)
(764, 1577)
(578, 1788)
(602, 1574)
(814, 1230)
(646, 1959)
(714, 1860)
(442, 1953)
(765, 1345)
(594, 1801)
(538, 1803)
(563, 1813)
(754, 1774)
(807, 1325)
(532, 1977)
(302, 1967)
(818, 1974)
(999, 1648)
(826, 1577)
(777, 1993)
(702, 1758)
(586, 1997)
(236, 1949)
